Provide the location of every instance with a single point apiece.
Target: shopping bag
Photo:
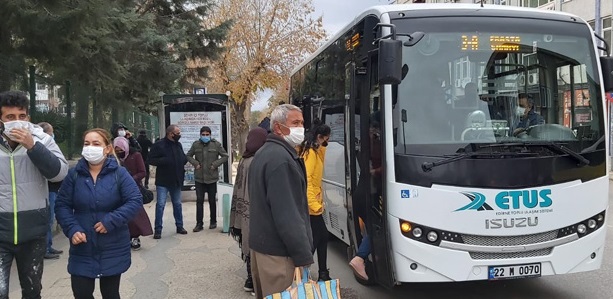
(304, 288)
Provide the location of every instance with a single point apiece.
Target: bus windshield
(482, 80)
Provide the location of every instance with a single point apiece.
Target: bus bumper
(436, 264)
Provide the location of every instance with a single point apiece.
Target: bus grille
(509, 255)
(510, 240)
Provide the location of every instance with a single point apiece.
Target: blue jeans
(52, 197)
(364, 249)
(177, 210)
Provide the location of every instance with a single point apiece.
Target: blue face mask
(205, 139)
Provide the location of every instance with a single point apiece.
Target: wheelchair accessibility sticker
(408, 193)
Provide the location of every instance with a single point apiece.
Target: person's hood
(115, 127)
(123, 144)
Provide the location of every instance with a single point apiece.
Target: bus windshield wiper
(427, 166)
(556, 146)
(551, 145)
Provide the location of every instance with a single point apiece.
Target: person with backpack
(96, 201)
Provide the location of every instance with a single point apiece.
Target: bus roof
(444, 9)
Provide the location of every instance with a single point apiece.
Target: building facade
(47, 98)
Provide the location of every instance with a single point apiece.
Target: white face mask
(295, 137)
(16, 124)
(520, 111)
(93, 154)
(121, 133)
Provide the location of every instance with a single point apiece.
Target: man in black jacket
(167, 154)
(280, 232)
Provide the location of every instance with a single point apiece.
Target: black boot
(324, 275)
(248, 287)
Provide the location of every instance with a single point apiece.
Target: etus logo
(509, 200)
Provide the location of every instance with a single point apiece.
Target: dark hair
(524, 95)
(528, 97)
(106, 137)
(142, 132)
(170, 129)
(45, 126)
(13, 99)
(310, 137)
(205, 129)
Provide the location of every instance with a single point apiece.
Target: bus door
(372, 175)
(352, 148)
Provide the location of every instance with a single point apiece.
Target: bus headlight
(405, 227)
(417, 232)
(584, 227)
(591, 223)
(432, 236)
(581, 228)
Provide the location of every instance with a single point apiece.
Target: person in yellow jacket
(313, 150)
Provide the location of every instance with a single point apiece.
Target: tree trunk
(95, 111)
(7, 78)
(82, 99)
(240, 127)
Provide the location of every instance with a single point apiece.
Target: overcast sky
(336, 14)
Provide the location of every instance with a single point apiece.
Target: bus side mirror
(606, 63)
(390, 61)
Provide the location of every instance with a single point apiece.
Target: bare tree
(267, 40)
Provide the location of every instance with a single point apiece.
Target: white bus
(468, 142)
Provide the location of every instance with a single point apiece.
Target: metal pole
(69, 120)
(598, 30)
(32, 92)
(598, 20)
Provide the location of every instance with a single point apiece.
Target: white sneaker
(135, 244)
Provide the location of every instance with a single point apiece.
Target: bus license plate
(514, 271)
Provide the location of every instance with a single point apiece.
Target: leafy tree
(118, 53)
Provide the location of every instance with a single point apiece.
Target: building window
(606, 30)
(535, 3)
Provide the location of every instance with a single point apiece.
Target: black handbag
(147, 195)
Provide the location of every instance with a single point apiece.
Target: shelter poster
(190, 124)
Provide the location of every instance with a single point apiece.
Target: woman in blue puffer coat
(94, 205)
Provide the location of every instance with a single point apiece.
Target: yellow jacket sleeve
(313, 162)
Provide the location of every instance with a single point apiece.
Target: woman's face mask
(93, 154)
(520, 111)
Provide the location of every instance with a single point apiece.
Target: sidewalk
(206, 264)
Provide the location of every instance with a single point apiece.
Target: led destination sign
(504, 43)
